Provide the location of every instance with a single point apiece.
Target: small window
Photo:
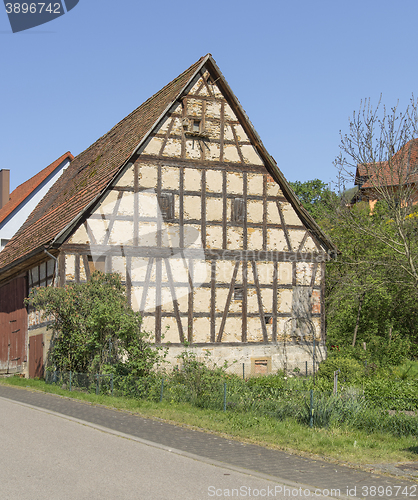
(166, 202)
(196, 126)
(238, 210)
(268, 319)
(238, 292)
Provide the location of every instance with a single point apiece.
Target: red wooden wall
(13, 326)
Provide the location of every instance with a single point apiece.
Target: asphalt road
(56, 447)
(48, 456)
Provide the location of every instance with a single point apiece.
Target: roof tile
(401, 169)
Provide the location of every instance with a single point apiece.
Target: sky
(299, 68)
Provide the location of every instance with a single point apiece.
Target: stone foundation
(246, 360)
(254, 359)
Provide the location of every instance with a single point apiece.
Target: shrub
(389, 353)
(351, 370)
(392, 394)
(94, 327)
(202, 386)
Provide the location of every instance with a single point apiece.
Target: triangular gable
(96, 170)
(242, 145)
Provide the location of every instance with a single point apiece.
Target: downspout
(56, 267)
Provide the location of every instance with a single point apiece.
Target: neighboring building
(397, 177)
(16, 206)
(182, 199)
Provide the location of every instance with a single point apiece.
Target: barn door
(36, 356)
(13, 326)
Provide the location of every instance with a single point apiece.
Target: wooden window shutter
(166, 202)
(238, 210)
(238, 292)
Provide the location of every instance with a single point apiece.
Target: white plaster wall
(13, 222)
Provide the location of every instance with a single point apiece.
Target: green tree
(379, 151)
(93, 326)
(366, 297)
(366, 300)
(358, 293)
(372, 288)
(315, 195)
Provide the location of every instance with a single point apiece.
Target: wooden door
(36, 356)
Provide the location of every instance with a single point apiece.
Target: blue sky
(299, 68)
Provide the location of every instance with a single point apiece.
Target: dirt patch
(401, 469)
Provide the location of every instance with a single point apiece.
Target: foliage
(94, 327)
(315, 195)
(330, 410)
(389, 353)
(373, 289)
(406, 371)
(350, 370)
(200, 384)
(392, 394)
(370, 296)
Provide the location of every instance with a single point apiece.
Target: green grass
(340, 444)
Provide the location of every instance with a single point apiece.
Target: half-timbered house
(182, 199)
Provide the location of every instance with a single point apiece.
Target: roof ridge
(142, 105)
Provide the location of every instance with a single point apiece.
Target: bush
(202, 386)
(351, 370)
(392, 394)
(94, 327)
(406, 371)
(389, 353)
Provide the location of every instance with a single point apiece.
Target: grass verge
(341, 444)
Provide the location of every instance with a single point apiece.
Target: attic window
(195, 128)
(238, 210)
(166, 202)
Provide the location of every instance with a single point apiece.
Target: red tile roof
(401, 169)
(18, 195)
